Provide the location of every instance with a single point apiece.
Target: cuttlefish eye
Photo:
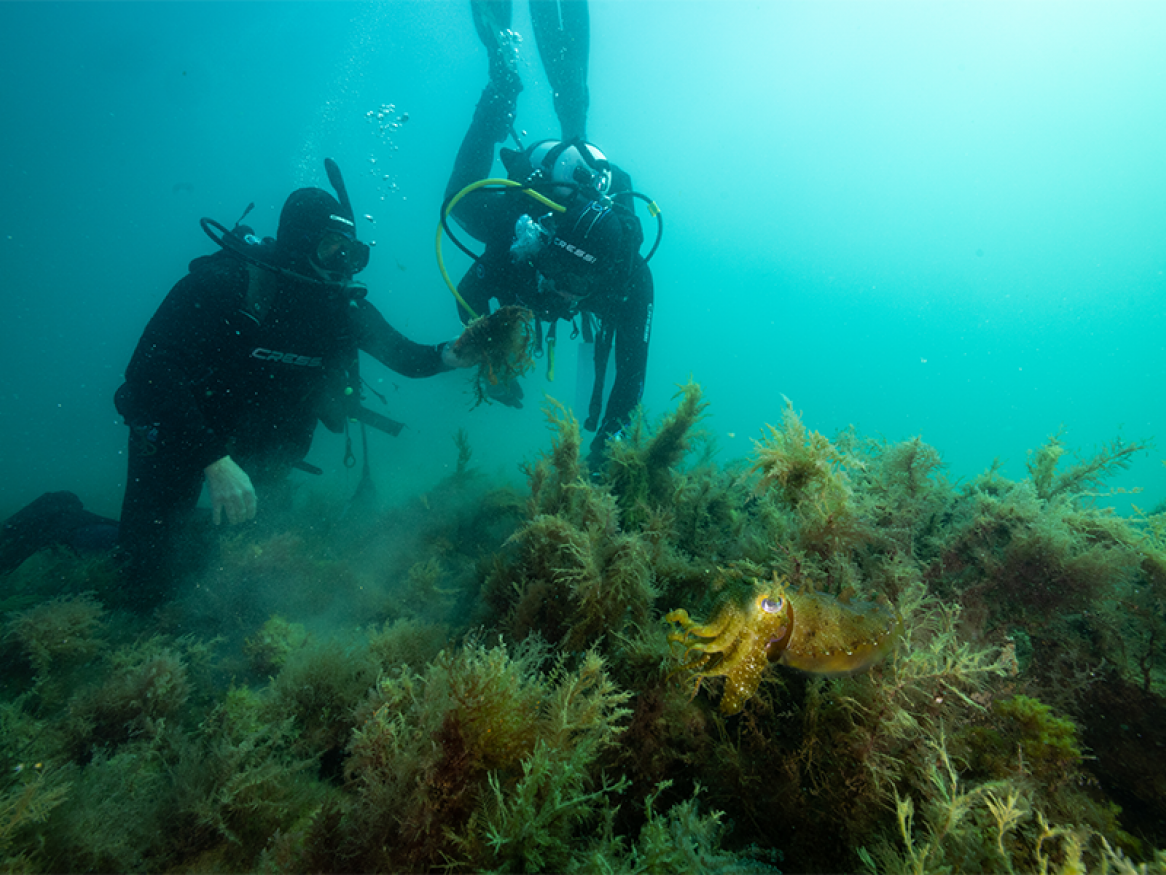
(772, 606)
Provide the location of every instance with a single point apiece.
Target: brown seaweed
(500, 346)
(477, 681)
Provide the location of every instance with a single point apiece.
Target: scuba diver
(561, 234)
(248, 350)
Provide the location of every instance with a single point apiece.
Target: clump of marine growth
(604, 671)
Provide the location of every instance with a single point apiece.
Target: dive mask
(340, 255)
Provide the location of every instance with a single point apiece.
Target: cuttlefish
(809, 631)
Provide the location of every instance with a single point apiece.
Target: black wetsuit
(237, 361)
(623, 307)
(55, 519)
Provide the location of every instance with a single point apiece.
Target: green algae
(480, 680)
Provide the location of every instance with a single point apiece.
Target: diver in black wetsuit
(582, 263)
(252, 347)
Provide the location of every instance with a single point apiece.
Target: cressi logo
(287, 358)
(574, 250)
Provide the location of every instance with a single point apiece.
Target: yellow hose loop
(473, 186)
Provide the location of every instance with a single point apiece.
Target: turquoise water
(934, 219)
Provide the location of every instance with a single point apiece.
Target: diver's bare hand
(230, 491)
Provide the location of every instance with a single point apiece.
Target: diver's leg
(161, 492)
(496, 107)
(492, 22)
(490, 125)
(562, 29)
(33, 528)
(633, 330)
(475, 159)
(493, 117)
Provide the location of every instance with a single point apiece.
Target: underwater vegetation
(826, 657)
(501, 347)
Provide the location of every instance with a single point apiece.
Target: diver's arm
(394, 350)
(176, 354)
(475, 160)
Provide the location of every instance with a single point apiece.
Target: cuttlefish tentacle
(736, 644)
(812, 632)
